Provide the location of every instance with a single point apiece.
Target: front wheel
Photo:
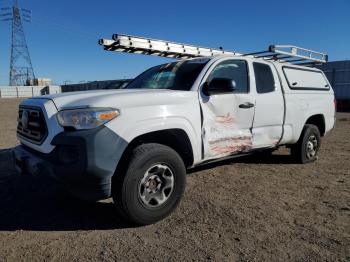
(151, 186)
(307, 148)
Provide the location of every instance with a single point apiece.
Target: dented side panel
(229, 129)
(226, 127)
(221, 137)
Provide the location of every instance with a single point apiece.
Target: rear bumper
(82, 161)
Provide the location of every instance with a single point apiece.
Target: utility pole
(21, 68)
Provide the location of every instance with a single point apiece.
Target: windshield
(176, 76)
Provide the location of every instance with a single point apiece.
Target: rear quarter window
(264, 80)
(305, 79)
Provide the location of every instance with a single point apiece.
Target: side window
(264, 80)
(234, 70)
(305, 79)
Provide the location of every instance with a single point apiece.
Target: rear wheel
(307, 148)
(151, 186)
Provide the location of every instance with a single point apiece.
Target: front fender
(129, 125)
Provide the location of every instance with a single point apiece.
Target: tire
(151, 185)
(307, 148)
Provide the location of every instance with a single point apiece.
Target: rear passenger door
(269, 107)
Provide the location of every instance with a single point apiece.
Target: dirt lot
(252, 208)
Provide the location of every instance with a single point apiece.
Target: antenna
(21, 68)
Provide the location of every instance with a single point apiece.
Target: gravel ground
(8, 118)
(251, 208)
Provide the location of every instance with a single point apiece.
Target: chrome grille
(31, 124)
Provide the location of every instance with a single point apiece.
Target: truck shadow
(36, 203)
(32, 203)
(257, 158)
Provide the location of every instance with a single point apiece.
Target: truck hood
(118, 98)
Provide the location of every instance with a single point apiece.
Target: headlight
(86, 118)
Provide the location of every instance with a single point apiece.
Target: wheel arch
(177, 139)
(319, 121)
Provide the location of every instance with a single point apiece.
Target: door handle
(246, 105)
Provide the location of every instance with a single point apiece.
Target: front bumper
(83, 161)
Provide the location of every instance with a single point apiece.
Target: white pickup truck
(135, 144)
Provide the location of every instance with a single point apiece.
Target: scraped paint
(222, 137)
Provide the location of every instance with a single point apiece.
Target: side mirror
(219, 86)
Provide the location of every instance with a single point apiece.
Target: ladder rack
(291, 54)
(147, 46)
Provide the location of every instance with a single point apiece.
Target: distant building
(96, 85)
(338, 74)
(39, 82)
(43, 82)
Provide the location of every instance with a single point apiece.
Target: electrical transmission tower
(21, 68)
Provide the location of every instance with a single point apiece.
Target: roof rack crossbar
(296, 60)
(255, 53)
(307, 63)
(276, 57)
(299, 52)
(284, 53)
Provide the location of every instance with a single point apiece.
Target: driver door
(227, 115)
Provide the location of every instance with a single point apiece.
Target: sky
(63, 35)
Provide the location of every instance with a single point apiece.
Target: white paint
(302, 104)
(226, 129)
(269, 112)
